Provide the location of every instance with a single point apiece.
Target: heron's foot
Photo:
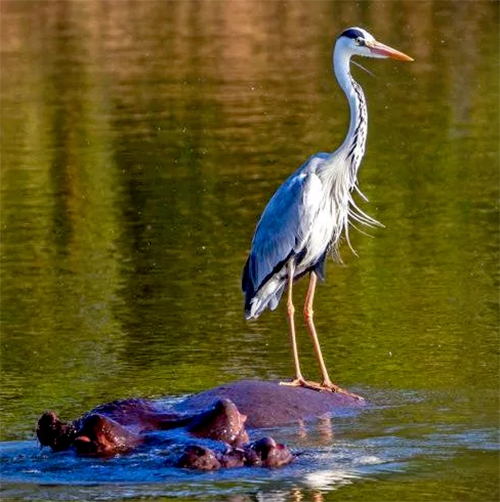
(329, 386)
(301, 382)
(326, 386)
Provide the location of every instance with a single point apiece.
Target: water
(374, 452)
(140, 142)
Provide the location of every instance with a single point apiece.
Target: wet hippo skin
(268, 404)
(101, 435)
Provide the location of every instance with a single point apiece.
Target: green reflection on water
(141, 141)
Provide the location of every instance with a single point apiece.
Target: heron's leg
(299, 380)
(308, 316)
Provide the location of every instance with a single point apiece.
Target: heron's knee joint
(308, 314)
(290, 309)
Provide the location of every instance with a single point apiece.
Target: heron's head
(358, 42)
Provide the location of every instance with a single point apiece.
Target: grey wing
(281, 232)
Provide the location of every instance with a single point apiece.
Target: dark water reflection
(140, 142)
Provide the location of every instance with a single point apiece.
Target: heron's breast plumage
(321, 232)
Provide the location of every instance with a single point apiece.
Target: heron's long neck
(339, 170)
(353, 148)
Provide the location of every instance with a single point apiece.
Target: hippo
(98, 433)
(208, 429)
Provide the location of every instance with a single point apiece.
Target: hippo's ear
(83, 439)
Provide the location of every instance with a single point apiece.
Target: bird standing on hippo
(302, 223)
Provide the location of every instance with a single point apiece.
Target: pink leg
(308, 316)
(298, 381)
(326, 383)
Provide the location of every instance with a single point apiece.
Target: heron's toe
(307, 384)
(331, 387)
(297, 382)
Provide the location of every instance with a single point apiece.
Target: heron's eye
(360, 41)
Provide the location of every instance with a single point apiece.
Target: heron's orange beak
(388, 52)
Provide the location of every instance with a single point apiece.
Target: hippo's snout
(50, 431)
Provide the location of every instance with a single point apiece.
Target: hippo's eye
(360, 41)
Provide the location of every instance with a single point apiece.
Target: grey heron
(304, 220)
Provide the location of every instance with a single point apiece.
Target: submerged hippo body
(218, 416)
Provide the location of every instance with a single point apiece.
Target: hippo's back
(268, 404)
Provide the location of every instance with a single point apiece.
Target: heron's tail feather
(268, 296)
